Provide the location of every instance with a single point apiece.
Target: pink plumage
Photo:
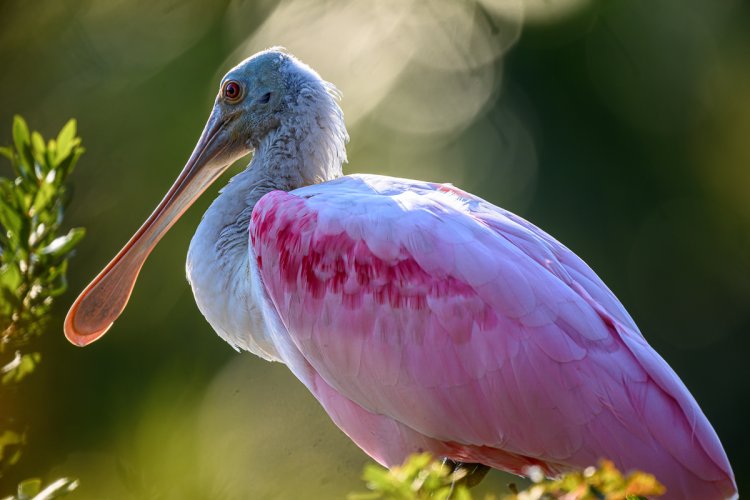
(430, 319)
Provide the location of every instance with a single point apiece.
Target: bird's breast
(227, 289)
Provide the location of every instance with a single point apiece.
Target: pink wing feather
(441, 315)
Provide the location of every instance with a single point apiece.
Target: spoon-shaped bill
(102, 302)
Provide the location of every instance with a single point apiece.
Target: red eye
(232, 91)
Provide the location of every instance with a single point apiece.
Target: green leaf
(18, 369)
(50, 153)
(65, 165)
(44, 195)
(66, 140)
(21, 135)
(38, 149)
(10, 443)
(37, 142)
(21, 139)
(10, 298)
(66, 136)
(7, 152)
(10, 276)
(64, 244)
(420, 477)
(29, 488)
(10, 219)
(7, 190)
(58, 281)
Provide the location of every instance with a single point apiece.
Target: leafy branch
(33, 256)
(421, 477)
(33, 264)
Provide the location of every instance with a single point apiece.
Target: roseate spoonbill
(420, 316)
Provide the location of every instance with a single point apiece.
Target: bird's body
(422, 317)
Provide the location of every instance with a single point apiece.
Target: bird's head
(264, 95)
(258, 96)
(253, 97)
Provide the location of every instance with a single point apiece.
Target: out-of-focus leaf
(37, 142)
(10, 219)
(66, 164)
(29, 488)
(10, 443)
(67, 133)
(606, 481)
(58, 281)
(10, 297)
(10, 276)
(66, 140)
(640, 484)
(21, 139)
(8, 191)
(16, 193)
(21, 135)
(420, 477)
(44, 195)
(38, 149)
(62, 245)
(7, 152)
(58, 488)
(19, 368)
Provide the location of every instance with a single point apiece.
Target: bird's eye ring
(232, 91)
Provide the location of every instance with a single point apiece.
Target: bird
(420, 316)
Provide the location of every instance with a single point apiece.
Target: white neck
(308, 148)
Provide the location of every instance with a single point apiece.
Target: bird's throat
(219, 266)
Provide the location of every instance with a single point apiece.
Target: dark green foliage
(33, 262)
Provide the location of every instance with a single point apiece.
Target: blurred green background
(621, 127)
